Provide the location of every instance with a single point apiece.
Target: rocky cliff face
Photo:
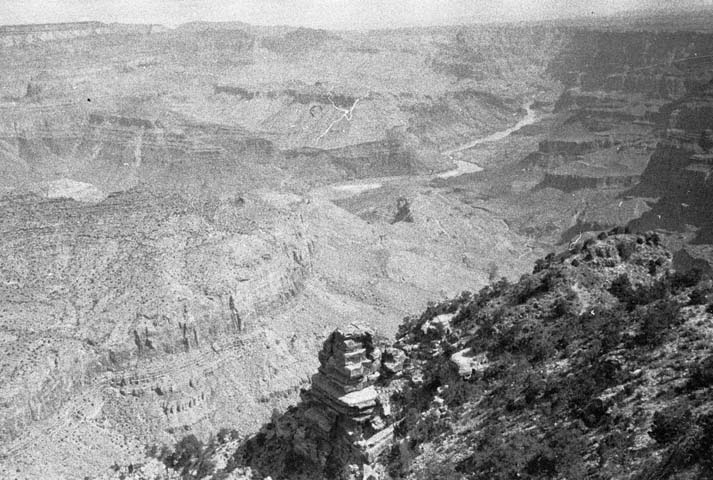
(679, 162)
(657, 64)
(116, 151)
(609, 143)
(343, 422)
(140, 306)
(614, 78)
(571, 183)
(23, 35)
(679, 170)
(595, 365)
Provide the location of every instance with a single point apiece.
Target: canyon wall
(657, 64)
(534, 378)
(139, 305)
(679, 171)
(22, 35)
(571, 183)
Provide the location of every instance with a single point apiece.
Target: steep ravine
(594, 366)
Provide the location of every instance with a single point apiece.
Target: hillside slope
(597, 365)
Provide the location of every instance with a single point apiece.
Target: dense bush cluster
(540, 422)
(190, 457)
(670, 424)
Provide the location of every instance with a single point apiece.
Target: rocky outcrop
(305, 96)
(571, 182)
(573, 147)
(349, 367)
(344, 421)
(595, 364)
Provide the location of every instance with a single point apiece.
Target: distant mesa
(18, 35)
(49, 27)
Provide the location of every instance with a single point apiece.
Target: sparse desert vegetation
(189, 215)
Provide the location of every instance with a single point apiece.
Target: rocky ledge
(597, 365)
(344, 421)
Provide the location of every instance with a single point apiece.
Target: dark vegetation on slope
(597, 365)
(619, 79)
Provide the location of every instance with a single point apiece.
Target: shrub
(701, 374)
(657, 320)
(538, 346)
(687, 279)
(693, 450)
(625, 249)
(698, 297)
(620, 230)
(622, 289)
(625, 292)
(704, 445)
(226, 434)
(594, 413)
(189, 457)
(526, 456)
(543, 263)
(188, 448)
(670, 424)
(531, 285)
(542, 464)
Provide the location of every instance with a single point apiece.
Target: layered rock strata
(137, 307)
(23, 35)
(679, 171)
(344, 421)
(595, 365)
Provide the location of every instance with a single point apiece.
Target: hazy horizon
(331, 14)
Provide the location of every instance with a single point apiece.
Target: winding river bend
(529, 118)
(462, 167)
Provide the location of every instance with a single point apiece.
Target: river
(529, 118)
(462, 167)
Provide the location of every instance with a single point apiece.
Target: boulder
(439, 326)
(468, 363)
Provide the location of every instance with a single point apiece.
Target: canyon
(189, 215)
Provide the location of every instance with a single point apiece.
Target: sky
(336, 14)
